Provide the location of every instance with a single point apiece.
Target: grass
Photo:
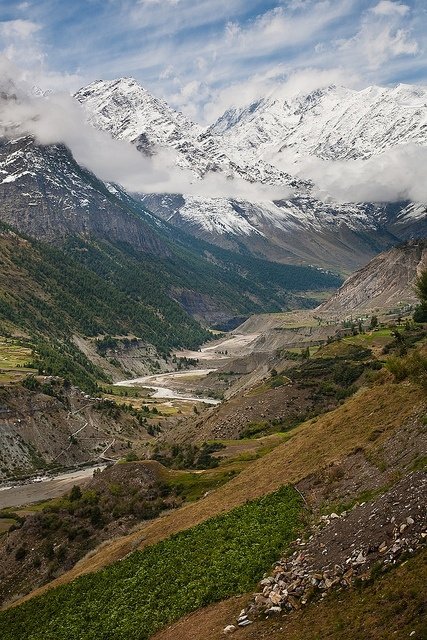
(126, 392)
(371, 339)
(235, 458)
(132, 599)
(193, 486)
(312, 445)
(13, 358)
(12, 354)
(392, 606)
(5, 524)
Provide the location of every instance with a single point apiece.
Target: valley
(213, 359)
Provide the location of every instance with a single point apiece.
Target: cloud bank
(58, 118)
(396, 175)
(203, 61)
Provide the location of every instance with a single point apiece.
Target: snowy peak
(129, 112)
(331, 123)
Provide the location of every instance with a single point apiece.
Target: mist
(58, 118)
(396, 175)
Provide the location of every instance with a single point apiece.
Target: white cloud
(58, 118)
(396, 175)
(280, 28)
(388, 8)
(22, 44)
(382, 36)
(18, 28)
(279, 83)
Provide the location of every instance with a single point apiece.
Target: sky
(203, 56)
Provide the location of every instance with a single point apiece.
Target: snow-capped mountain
(44, 193)
(250, 144)
(129, 112)
(332, 123)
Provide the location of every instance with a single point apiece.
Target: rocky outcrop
(386, 282)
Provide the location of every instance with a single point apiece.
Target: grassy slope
(314, 444)
(392, 607)
(132, 599)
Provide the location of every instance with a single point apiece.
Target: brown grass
(313, 445)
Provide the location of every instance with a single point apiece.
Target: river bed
(44, 488)
(158, 382)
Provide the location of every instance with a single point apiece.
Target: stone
(409, 520)
(230, 628)
(360, 559)
(244, 623)
(265, 582)
(275, 598)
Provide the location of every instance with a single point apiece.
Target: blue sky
(204, 55)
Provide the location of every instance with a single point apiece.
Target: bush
(20, 553)
(412, 366)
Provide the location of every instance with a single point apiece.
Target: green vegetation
(193, 486)
(412, 366)
(97, 288)
(13, 354)
(420, 314)
(188, 456)
(132, 599)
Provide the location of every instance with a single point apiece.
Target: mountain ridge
(290, 228)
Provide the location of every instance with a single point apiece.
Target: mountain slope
(240, 145)
(320, 446)
(332, 123)
(386, 281)
(44, 193)
(112, 267)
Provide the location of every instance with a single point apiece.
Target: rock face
(387, 281)
(37, 428)
(46, 194)
(249, 145)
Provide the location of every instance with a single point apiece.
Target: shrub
(20, 553)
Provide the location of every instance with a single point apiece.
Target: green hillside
(132, 599)
(93, 287)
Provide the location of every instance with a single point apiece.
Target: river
(158, 382)
(44, 488)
